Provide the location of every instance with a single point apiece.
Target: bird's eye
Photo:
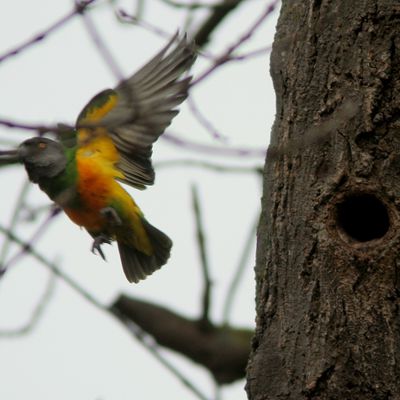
(42, 145)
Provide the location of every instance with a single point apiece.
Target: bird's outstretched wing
(137, 111)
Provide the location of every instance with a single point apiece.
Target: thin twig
(213, 150)
(31, 213)
(126, 18)
(21, 199)
(215, 18)
(226, 56)
(101, 47)
(190, 16)
(78, 9)
(37, 313)
(210, 128)
(201, 242)
(139, 9)
(30, 127)
(39, 232)
(8, 142)
(200, 5)
(210, 166)
(53, 267)
(243, 262)
(148, 342)
(251, 54)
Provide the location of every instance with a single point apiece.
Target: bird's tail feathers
(138, 265)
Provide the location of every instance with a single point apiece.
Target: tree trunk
(328, 255)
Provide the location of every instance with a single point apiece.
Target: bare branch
(37, 313)
(213, 150)
(80, 8)
(226, 56)
(202, 36)
(222, 350)
(210, 166)
(148, 342)
(125, 18)
(29, 245)
(21, 199)
(252, 54)
(201, 5)
(201, 242)
(41, 129)
(204, 121)
(101, 47)
(53, 267)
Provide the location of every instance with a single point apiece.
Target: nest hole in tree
(363, 217)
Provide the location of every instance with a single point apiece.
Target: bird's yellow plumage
(98, 190)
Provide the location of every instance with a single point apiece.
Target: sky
(75, 350)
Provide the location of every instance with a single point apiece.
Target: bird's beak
(9, 157)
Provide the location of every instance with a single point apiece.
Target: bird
(110, 143)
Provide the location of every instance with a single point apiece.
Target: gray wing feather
(146, 105)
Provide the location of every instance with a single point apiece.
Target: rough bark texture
(328, 256)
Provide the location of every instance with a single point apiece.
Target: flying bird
(111, 143)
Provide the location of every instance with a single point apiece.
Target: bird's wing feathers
(139, 109)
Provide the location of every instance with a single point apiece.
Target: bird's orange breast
(96, 187)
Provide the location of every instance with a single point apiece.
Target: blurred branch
(213, 150)
(21, 199)
(29, 127)
(208, 165)
(190, 17)
(201, 242)
(139, 9)
(102, 48)
(30, 213)
(243, 263)
(223, 351)
(53, 267)
(197, 5)
(202, 36)
(26, 249)
(126, 18)
(251, 54)
(37, 313)
(204, 121)
(79, 8)
(8, 142)
(147, 341)
(226, 56)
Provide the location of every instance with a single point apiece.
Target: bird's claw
(97, 242)
(111, 216)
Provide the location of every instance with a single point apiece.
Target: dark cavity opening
(363, 217)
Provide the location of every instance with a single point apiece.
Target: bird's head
(43, 158)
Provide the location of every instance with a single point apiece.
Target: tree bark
(328, 253)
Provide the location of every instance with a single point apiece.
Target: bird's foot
(97, 242)
(111, 216)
